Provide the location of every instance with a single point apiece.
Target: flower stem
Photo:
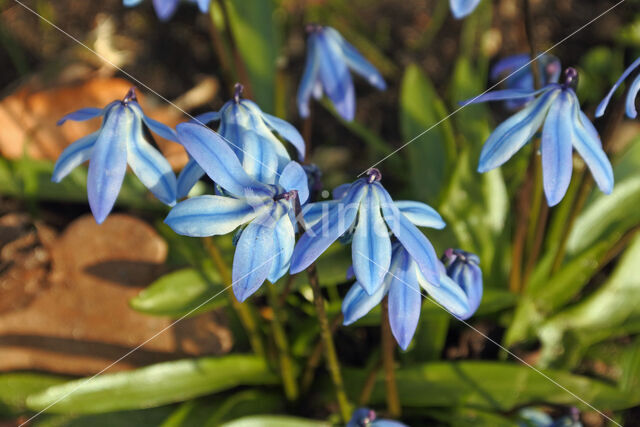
(333, 365)
(388, 348)
(279, 335)
(528, 27)
(242, 309)
(316, 356)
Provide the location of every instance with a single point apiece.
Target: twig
(388, 348)
(280, 338)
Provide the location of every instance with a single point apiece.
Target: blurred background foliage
(576, 319)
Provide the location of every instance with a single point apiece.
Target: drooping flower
(462, 8)
(166, 8)
(250, 133)
(365, 417)
(464, 269)
(517, 70)
(119, 141)
(367, 207)
(264, 248)
(632, 93)
(565, 127)
(403, 283)
(326, 71)
(534, 417)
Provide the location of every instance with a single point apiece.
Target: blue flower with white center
(166, 8)
(366, 206)
(632, 93)
(464, 269)
(326, 71)
(120, 140)
(517, 69)
(565, 127)
(403, 283)
(263, 251)
(250, 133)
(463, 8)
(365, 417)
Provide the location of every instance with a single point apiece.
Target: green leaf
(141, 418)
(15, 387)
(257, 37)
(153, 385)
(275, 421)
(431, 150)
(180, 293)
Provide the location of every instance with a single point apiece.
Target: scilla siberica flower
(517, 69)
(250, 133)
(120, 140)
(403, 283)
(462, 8)
(463, 268)
(367, 205)
(166, 8)
(533, 417)
(266, 243)
(631, 94)
(365, 417)
(329, 58)
(565, 127)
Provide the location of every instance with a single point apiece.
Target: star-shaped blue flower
(565, 127)
(366, 206)
(166, 8)
(517, 68)
(266, 243)
(632, 93)
(403, 283)
(365, 417)
(120, 140)
(462, 8)
(250, 133)
(463, 268)
(329, 58)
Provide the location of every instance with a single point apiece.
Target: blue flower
(264, 248)
(462, 8)
(463, 268)
(631, 94)
(120, 140)
(367, 207)
(365, 417)
(533, 417)
(519, 75)
(565, 127)
(403, 283)
(250, 133)
(166, 8)
(329, 58)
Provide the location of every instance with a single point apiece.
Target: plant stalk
(388, 348)
(287, 370)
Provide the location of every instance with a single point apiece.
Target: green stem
(242, 309)
(287, 370)
(388, 349)
(316, 356)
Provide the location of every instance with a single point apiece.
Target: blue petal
(258, 160)
(557, 135)
(357, 302)
(587, 144)
(356, 61)
(514, 133)
(631, 98)
(314, 212)
(74, 155)
(404, 299)
(509, 64)
(287, 131)
(165, 8)
(335, 77)
(162, 130)
(603, 104)
(411, 238)
(188, 177)
(83, 114)
(448, 294)
(108, 162)
(462, 8)
(503, 95)
(217, 159)
(371, 247)
(203, 5)
(254, 256)
(340, 191)
(205, 118)
(284, 240)
(293, 177)
(320, 236)
(151, 168)
(469, 277)
(309, 77)
(130, 3)
(421, 214)
(382, 422)
(210, 215)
